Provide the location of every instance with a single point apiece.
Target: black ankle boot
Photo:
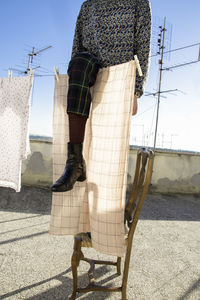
(75, 169)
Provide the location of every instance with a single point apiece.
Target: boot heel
(82, 177)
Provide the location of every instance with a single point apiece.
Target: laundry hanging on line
(15, 94)
(97, 204)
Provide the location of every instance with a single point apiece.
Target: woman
(107, 33)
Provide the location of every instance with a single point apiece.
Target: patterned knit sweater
(115, 30)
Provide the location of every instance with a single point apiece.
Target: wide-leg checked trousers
(82, 72)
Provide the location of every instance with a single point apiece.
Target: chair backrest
(142, 178)
(140, 186)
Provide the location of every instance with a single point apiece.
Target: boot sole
(80, 179)
(57, 191)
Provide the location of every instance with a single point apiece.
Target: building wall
(37, 169)
(173, 172)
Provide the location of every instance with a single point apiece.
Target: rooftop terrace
(165, 260)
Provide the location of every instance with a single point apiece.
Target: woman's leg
(82, 71)
(76, 128)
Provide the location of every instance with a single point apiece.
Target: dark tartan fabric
(82, 71)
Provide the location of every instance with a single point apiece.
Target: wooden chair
(132, 210)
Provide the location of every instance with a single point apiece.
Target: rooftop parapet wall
(173, 172)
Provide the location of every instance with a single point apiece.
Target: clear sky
(40, 23)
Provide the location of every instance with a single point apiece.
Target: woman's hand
(135, 106)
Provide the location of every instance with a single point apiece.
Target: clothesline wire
(144, 111)
(38, 75)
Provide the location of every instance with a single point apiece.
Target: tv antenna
(162, 51)
(31, 56)
(161, 47)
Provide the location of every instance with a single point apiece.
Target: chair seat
(85, 239)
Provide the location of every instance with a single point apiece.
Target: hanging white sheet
(14, 128)
(97, 204)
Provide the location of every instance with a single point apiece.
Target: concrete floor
(165, 262)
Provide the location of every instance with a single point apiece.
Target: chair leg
(126, 268)
(119, 265)
(124, 293)
(76, 256)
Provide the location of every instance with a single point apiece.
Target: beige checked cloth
(97, 204)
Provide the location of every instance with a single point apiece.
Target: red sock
(76, 128)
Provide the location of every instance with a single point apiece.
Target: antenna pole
(163, 30)
(30, 60)
(30, 57)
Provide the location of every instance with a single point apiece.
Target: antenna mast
(161, 47)
(30, 60)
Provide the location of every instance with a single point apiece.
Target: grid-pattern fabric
(14, 128)
(97, 204)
